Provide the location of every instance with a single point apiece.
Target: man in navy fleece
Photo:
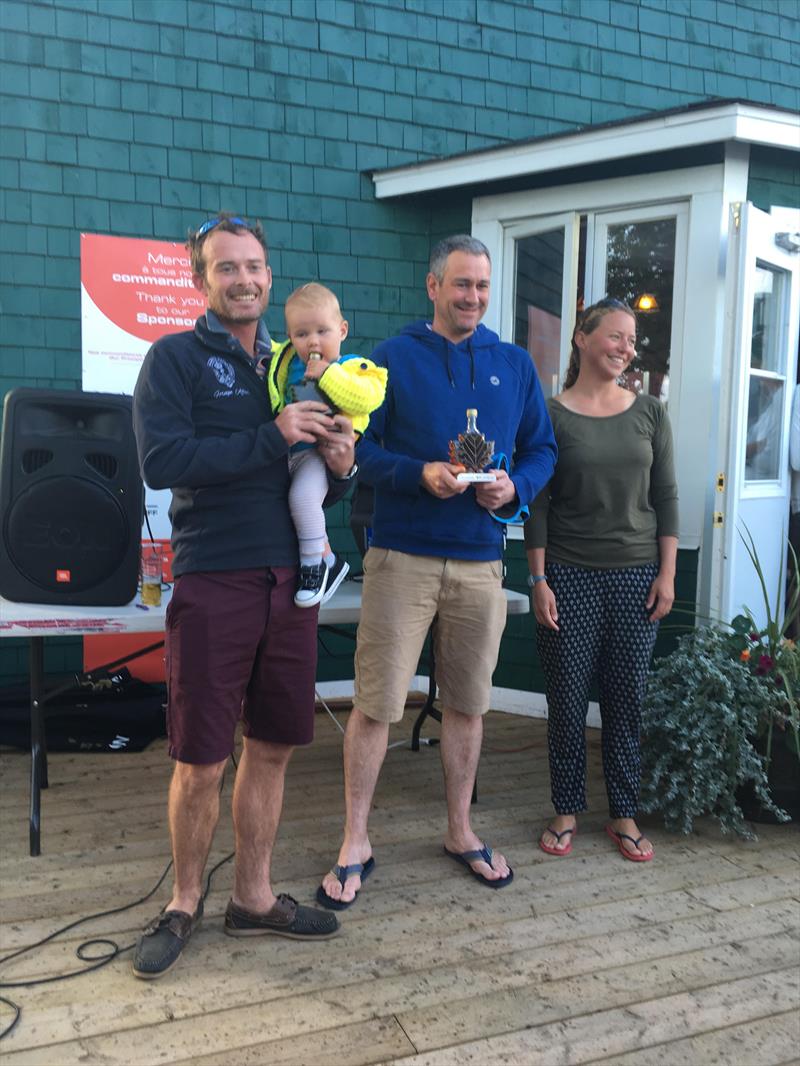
(237, 646)
(437, 547)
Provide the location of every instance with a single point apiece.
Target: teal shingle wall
(774, 177)
(137, 117)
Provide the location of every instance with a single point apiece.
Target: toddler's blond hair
(313, 295)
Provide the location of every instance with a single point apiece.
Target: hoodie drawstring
(450, 377)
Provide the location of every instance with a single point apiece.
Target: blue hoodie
(432, 383)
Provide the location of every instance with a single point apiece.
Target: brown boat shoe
(286, 918)
(162, 941)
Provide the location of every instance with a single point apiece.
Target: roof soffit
(695, 126)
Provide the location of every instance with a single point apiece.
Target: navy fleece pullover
(205, 429)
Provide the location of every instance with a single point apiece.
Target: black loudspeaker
(71, 498)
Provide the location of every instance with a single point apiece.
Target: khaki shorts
(402, 594)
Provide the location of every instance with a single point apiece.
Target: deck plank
(727, 1024)
(583, 958)
(771, 1039)
(348, 1045)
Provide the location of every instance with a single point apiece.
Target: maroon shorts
(237, 647)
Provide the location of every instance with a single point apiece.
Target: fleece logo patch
(222, 371)
(494, 380)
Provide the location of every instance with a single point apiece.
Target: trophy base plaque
(475, 476)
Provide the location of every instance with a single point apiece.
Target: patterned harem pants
(604, 634)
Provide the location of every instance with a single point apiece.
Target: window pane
(764, 417)
(768, 353)
(537, 310)
(765, 349)
(640, 270)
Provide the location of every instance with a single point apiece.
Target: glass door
(555, 265)
(560, 264)
(638, 255)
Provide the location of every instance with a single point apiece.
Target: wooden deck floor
(690, 959)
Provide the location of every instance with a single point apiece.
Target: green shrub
(702, 711)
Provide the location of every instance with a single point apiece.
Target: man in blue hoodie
(437, 547)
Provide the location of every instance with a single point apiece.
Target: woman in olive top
(601, 547)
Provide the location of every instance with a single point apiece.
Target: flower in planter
(775, 660)
(769, 653)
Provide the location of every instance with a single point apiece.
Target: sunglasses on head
(611, 301)
(212, 222)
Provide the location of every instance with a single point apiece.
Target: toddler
(351, 385)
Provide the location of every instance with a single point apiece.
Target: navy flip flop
(341, 873)
(484, 853)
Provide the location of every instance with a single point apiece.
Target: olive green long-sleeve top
(613, 492)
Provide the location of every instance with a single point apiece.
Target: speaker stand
(38, 699)
(38, 741)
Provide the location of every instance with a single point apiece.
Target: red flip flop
(626, 853)
(558, 851)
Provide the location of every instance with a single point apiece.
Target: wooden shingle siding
(142, 117)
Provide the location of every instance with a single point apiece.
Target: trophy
(472, 451)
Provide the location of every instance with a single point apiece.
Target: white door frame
(751, 239)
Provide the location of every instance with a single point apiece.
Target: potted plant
(721, 723)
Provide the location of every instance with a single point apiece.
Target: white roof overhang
(697, 125)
